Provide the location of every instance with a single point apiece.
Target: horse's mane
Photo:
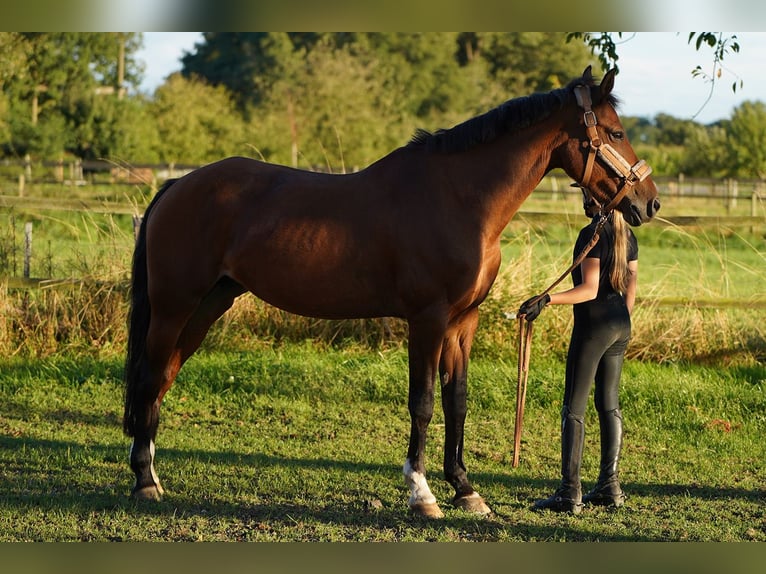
(511, 116)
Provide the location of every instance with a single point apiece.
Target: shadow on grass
(35, 484)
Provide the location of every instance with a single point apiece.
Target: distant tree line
(335, 101)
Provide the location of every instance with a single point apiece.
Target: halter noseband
(630, 174)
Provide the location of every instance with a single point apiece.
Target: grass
(302, 442)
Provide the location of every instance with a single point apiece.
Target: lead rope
(525, 348)
(525, 343)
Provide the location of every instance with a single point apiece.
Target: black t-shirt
(604, 251)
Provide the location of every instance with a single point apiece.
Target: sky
(655, 72)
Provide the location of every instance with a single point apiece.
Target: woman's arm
(585, 291)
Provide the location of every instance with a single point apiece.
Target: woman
(603, 296)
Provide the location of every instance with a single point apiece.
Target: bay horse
(415, 235)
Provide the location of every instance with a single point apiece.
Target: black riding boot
(607, 491)
(568, 496)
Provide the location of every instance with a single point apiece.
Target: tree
(673, 131)
(345, 99)
(323, 113)
(13, 62)
(746, 139)
(121, 130)
(243, 62)
(706, 153)
(196, 123)
(640, 130)
(525, 62)
(11, 65)
(52, 96)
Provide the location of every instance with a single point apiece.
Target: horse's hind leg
(216, 303)
(453, 370)
(171, 341)
(158, 371)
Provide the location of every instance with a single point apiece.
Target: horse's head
(598, 156)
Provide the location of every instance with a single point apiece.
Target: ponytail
(619, 274)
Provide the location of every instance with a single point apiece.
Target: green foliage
(54, 83)
(122, 130)
(602, 44)
(664, 159)
(746, 140)
(13, 63)
(196, 123)
(707, 153)
(332, 100)
(673, 131)
(721, 46)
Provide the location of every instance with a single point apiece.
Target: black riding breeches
(596, 351)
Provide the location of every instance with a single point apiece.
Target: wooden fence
(20, 174)
(16, 175)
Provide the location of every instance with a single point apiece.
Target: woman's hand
(531, 308)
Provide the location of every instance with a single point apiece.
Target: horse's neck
(513, 169)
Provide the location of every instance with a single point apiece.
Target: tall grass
(701, 295)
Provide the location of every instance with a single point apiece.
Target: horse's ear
(587, 75)
(607, 83)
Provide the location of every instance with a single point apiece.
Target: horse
(414, 235)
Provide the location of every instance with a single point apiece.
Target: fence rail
(22, 172)
(122, 208)
(25, 172)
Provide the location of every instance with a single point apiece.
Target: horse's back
(312, 243)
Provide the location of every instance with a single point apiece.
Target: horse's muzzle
(636, 216)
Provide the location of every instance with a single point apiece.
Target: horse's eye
(618, 136)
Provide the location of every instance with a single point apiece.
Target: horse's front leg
(425, 341)
(453, 371)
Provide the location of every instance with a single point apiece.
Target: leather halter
(630, 174)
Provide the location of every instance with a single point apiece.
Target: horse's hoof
(427, 510)
(472, 503)
(151, 492)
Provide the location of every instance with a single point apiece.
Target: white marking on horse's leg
(155, 478)
(154, 474)
(420, 493)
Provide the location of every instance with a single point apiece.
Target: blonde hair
(619, 274)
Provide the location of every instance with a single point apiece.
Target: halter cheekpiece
(630, 174)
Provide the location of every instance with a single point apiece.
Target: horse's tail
(138, 320)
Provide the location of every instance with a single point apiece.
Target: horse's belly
(323, 292)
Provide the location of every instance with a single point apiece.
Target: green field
(305, 443)
(283, 428)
